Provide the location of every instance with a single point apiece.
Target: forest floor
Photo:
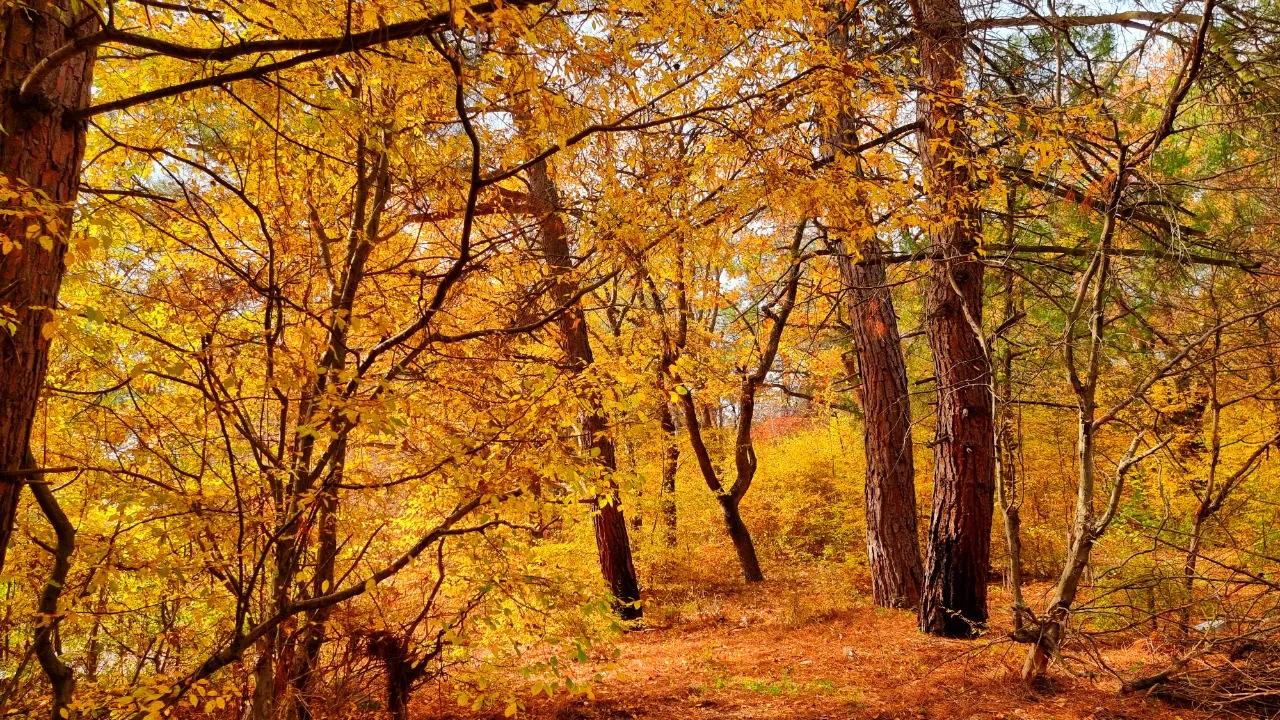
(784, 650)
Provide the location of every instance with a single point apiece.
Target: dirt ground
(781, 650)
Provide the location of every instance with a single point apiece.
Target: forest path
(765, 652)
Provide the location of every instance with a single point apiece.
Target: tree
(612, 541)
(892, 542)
(954, 600)
(1091, 300)
(41, 151)
(751, 379)
(48, 80)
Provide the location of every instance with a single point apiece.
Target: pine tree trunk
(40, 149)
(613, 545)
(612, 542)
(892, 543)
(954, 602)
(893, 549)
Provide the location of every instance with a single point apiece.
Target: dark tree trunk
(41, 149)
(613, 545)
(744, 453)
(402, 671)
(612, 542)
(314, 637)
(741, 538)
(731, 498)
(399, 689)
(954, 602)
(892, 541)
(670, 460)
(62, 679)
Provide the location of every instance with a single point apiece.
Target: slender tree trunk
(892, 542)
(1008, 436)
(670, 461)
(1086, 529)
(744, 453)
(954, 602)
(744, 462)
(61, 677)
(304, 671)
(1009, 500)
(1083, 536)
(93, 646)
(41, 150)
(673, 347)
(710, 416)
(728, 499)
(613, 545)
(1205, 508)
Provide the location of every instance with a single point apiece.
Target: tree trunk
(741, 538)
(892, 543)
(612, 542)
(40, 150)
(262, 705)
(1009, 435)
(62, 679)
(670, 461)
(1205, 508)
(1083, 536)
(954, 602)
(304, 671)
(398, 692)
(893, 549)
(728, 499)
(401, 671)
(744, 453)
(1085, 529)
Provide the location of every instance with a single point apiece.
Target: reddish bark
(40, 149)
(613, 544)
(893, 549)
(954, 602)
(892, 542)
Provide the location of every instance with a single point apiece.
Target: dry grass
(810, 646)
